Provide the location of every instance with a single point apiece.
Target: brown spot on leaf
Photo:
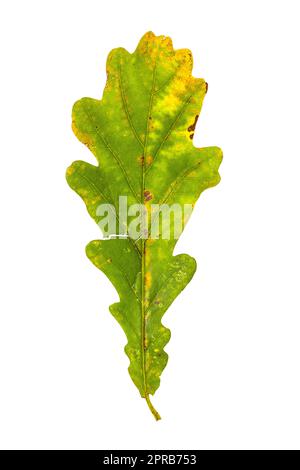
(193, 126)
(206, 87)
(192, 136)
(147, 195)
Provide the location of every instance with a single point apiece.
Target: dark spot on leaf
(147, 195)
(206, 85)
(109, 260)
(192, 136)
(193, 126)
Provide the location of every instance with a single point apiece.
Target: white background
(233, 377)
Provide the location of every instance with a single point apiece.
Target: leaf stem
(152, 409)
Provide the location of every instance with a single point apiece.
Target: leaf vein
(164, 140)
(116, 157)
(125, 107)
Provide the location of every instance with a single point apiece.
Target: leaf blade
(141, 135)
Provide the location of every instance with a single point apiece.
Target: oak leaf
(141, 134)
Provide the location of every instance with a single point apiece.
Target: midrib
(143, 254)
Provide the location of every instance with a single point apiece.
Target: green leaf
(141, 134)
